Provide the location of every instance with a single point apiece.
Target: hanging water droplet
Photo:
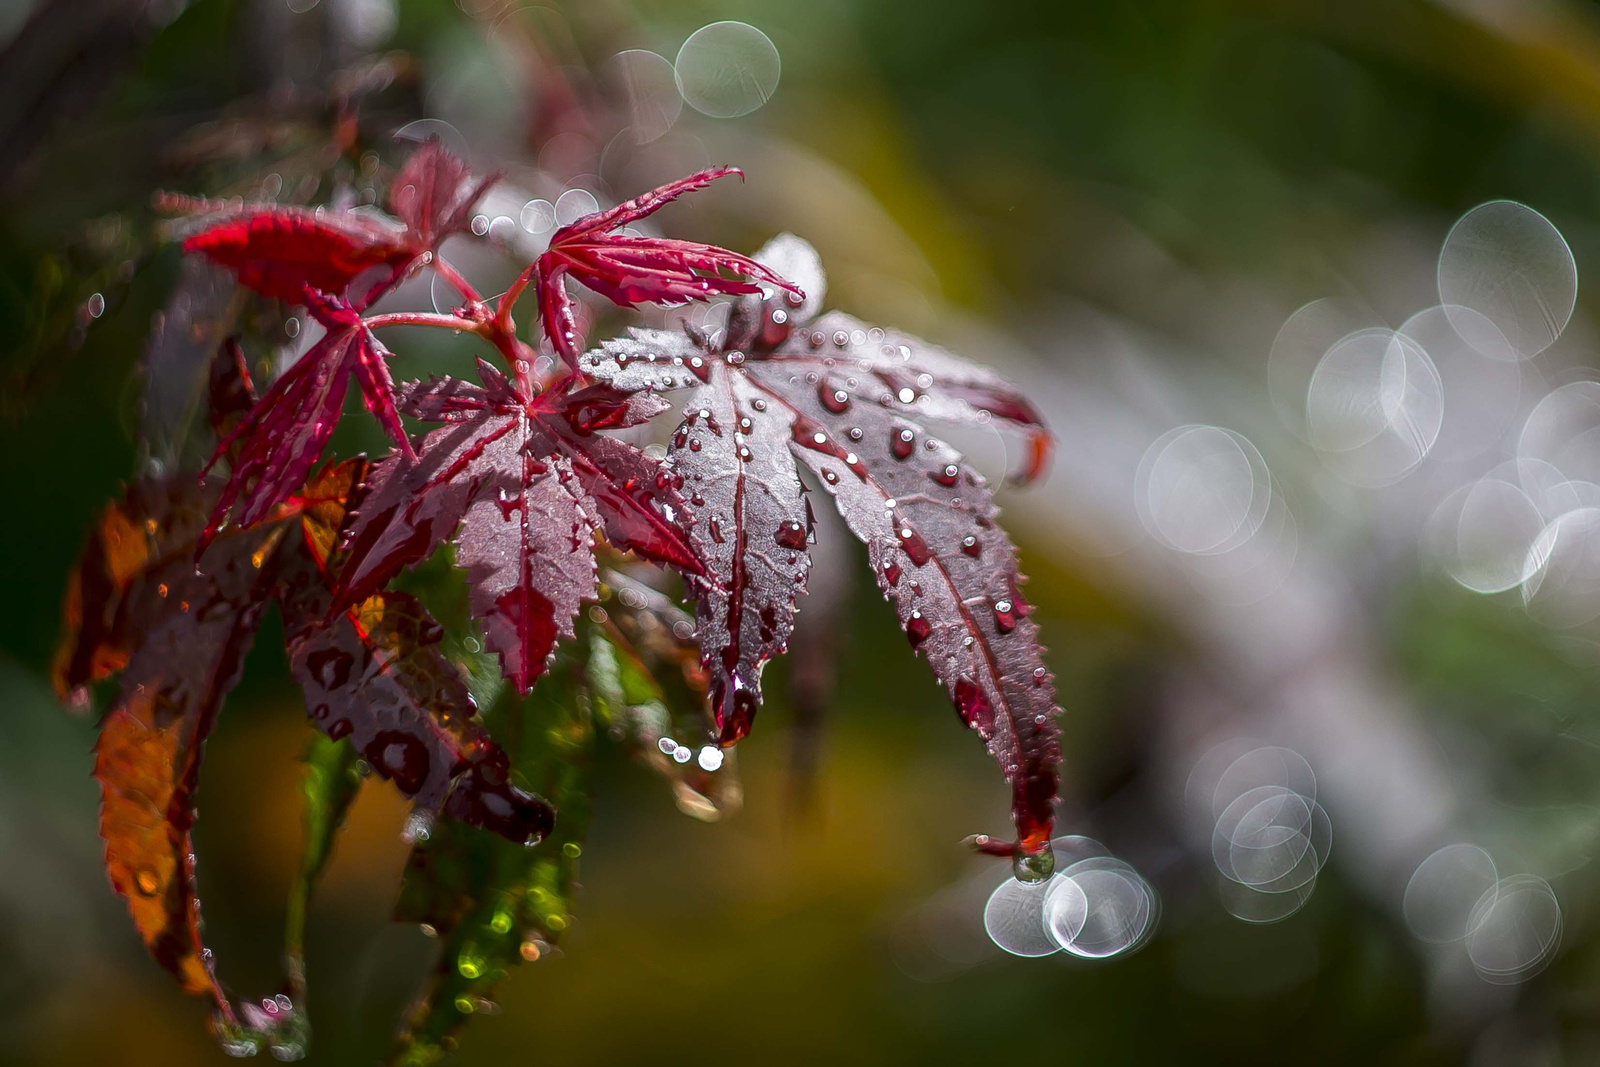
(419, 827)
(1034, 868)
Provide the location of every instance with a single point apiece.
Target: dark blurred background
(1254, 536)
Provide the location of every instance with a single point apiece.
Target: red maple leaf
(274, 447)
(847, 401)
(527, 481)
(434, 194)
(283, 252)
(631, 270)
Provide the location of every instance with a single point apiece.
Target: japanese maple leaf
(434, 194)
(636, 270)
(284, 252)
(528, 482)
(847, 401)
(274, 448)
(177, 629)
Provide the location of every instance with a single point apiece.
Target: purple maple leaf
(848, 399)
(528, 482)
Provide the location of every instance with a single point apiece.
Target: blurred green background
(1119, 204)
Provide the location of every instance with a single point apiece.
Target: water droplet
(969, 545)
(1005, 617)
(918, 629)
(147, 881)
(901, 443)
(835, 400)
(915, 547)
(1033, 868)
(418, 827)
(791, 535)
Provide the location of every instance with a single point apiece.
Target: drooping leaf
(631, 270)
(374, 674)
(750, 520)
(186, 630)
(527, 482)
(178, 627)
(494, 905)
(849, 399)
(273, 450)
(434, 194)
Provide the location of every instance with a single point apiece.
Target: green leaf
(333, 777)
(494, 904)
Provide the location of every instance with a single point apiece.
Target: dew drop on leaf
(901, 443)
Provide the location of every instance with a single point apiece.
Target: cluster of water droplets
(1507, 927)
(1253, 808)
(1094, 907)
(708, 759)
